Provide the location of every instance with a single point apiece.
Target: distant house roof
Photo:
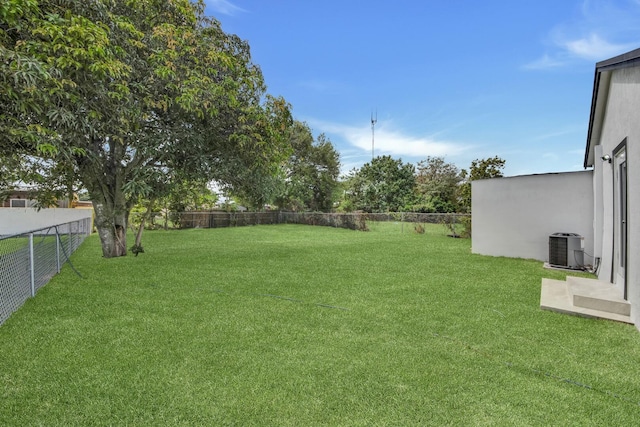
(600, 91)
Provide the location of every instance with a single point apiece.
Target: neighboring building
(515, 216)
(18, 199)
(21, 198)
(19, 213)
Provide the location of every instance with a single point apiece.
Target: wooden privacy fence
(353, 221)
(200, 219)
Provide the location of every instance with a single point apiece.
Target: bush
(466, 226)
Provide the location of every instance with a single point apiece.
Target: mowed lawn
(295, 325)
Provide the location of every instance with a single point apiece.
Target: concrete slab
(555, 296)
(597, 295)
(548, 266)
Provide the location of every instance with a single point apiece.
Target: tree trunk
(137, 246)
(138, 242)
(104, 181)
(111, 222)
(111, 216)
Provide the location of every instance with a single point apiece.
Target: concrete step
(556, 296)
(597, 295)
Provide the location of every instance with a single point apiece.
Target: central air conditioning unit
(566, 250)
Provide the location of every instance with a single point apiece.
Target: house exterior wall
(514, 216)
(621, 120)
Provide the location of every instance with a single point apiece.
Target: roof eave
(588, 157)
(600, 93)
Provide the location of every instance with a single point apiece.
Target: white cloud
(592, 47)
(602, 29)
(389, 141)
(595, 48)
(224, 7)
(545, 62)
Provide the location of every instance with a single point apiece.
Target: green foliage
(128, 98)
(430, 204)
(310, 326)
(180, 196)
(383, 185)
(254, 177)
(485, 168)
(437, 185)
(191, 196)
(310, 175)
(466, 226)
(480, 169)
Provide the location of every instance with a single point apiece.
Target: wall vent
(566, 250)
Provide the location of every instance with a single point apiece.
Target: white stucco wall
(514, 216)
(19, 220)
(621, 120)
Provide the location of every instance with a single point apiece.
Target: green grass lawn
(297, 325)
(21, 243)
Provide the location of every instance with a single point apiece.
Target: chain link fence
(29, 260)
(454, 224)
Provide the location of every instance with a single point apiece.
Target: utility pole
(373, 124)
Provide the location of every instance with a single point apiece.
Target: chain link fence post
(32, 272)
(57, 252)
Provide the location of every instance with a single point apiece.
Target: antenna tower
(373, 124)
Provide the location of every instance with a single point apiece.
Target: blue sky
(459, 79)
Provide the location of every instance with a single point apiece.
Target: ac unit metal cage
(566, 250)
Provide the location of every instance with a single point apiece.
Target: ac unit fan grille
(558, 251)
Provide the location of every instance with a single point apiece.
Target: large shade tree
(127, 98)
(310, 174)
(491, 167)
(437, 186)
(385, 184)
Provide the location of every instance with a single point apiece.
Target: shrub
(466, 226)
